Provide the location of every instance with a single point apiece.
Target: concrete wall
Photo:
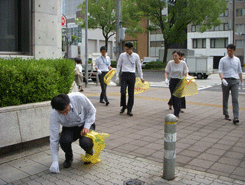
(46, 20)
(23, 123)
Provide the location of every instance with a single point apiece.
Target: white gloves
(54, 168)
(188, 78)
(242, 85)
(166, 81)
(99, 71)
(117, 80)
(225, 83)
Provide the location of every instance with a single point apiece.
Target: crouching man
(76, 114)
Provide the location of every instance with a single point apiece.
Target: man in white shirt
(128, 61)
(76, 114)
(230, 71)
(102, 65)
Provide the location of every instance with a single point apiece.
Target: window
(218, 42)
(15, 29)
(225, 14)
(157, 44)
(199, 43)
(193, 28)
(154, 32)
(240, 12)
(240, 28)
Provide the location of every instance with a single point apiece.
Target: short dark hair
(129, 44)
(78, 60)
(175, 52)
(231, 46)
(103, 48)
(181, 54)
(60, 102)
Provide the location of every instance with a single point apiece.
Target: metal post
(86, 44)
(169, 147)
(118, 26)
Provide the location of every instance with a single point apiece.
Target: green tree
(102, 15)
(181, 13)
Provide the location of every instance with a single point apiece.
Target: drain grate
(133, 182)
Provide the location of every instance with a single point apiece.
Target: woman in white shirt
(176, 70)
(79, 74)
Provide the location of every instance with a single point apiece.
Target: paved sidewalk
(210, 150)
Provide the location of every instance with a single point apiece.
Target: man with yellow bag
(128, 61)
(76, 114)
(102, 65)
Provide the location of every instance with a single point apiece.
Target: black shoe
(122, 110)
(107, 103)
(67, 163)
(129, 113)
(235, 121)
(102, 102)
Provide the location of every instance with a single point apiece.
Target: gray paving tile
(229, 161)
(235, 155)
(201, 163)
(209, 157)
(215, 151)
(223, 168)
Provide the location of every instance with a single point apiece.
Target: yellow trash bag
(140, 87)
(186, 87)
(99, 144)
(109, 75)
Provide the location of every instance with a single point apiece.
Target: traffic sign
(63, 21)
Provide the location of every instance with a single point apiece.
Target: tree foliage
(180, 14)
(102, 15)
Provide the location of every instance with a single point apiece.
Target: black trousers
(182, 105)
(176, 101)
(71, 134)
(103, 87)
(127, 80)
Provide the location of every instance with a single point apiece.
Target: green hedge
(114, 64)
(29, 81)
(155, 65)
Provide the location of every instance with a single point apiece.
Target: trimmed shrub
(155, 65)
(114, 64)
(29, 81)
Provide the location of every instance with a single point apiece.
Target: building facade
(30, 28)
(213, 42)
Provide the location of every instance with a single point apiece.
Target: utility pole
(118, 26)
(86, 44)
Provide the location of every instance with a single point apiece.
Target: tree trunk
(106, 42)
(165, 53)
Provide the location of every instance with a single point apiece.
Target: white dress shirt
(230, 67)
(82, 113)
(102, 63)
(176, 70)
(128, 63)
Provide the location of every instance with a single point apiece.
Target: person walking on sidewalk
(183, 101)
(79, 74)
(128, 61)
(176, 69)
(230, 71)
(103, 65)
(76, 114)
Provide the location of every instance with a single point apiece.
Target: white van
(148, 59)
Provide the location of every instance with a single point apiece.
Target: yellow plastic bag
(186, 87)
(140, 87)
(109, 75)
(99, 145)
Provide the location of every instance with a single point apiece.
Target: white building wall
(47, 29)
(208, 35)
